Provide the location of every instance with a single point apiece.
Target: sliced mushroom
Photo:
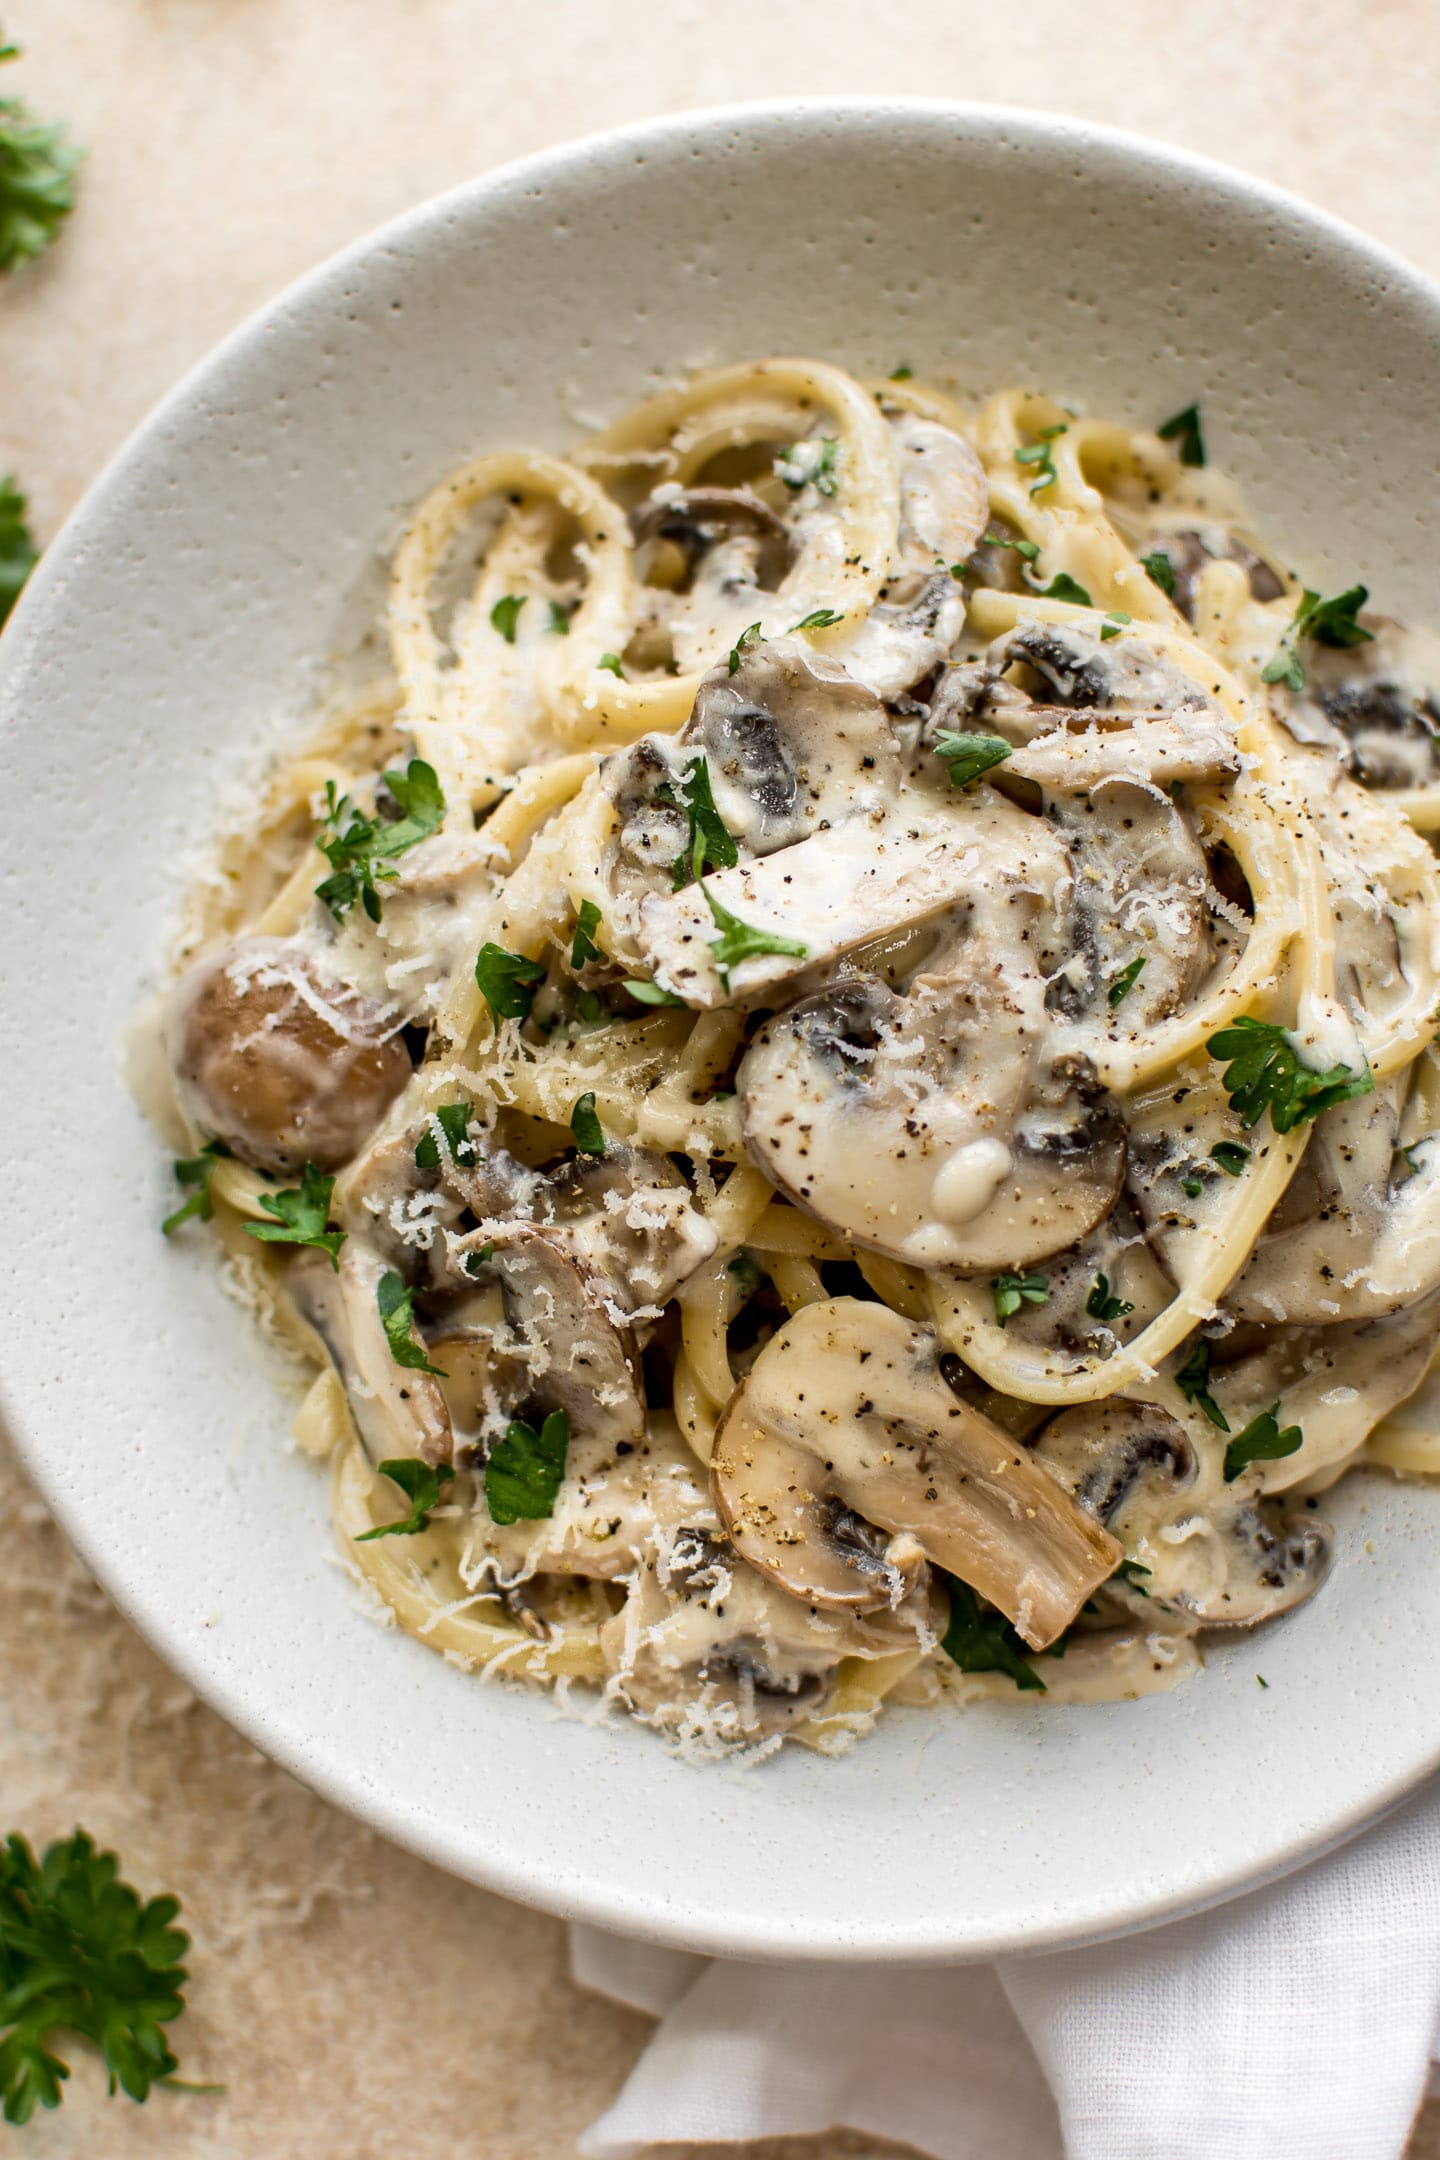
(1224, 1559)
(847, 1408)
(944, 502)
(939, 1128)
(697, 519)
(1156, 750)
(1376, 705)
(1078, 668)
(283, 1065)
(1190, 551)
(397, 1410)
(903, 640)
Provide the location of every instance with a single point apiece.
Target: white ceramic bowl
(189, 608)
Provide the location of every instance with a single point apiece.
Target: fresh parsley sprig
(1330, 622)
(1100, 1305)
(396, 1302)
(420, 1482)
(1029, 550)
(526, 1469)
(750, 635)
(361, 850)
(1230, 1156)
(1116, 621)
(709, 845)
(196, 1171)
(1125, 982)
(585, 1127)
(1193, 1380)
(18, 552)
(1183, 429)
(1261, 1441)
(980, 1640)
(301, 1214)
(507, 981)
(81, 1953)
(649, 993)
(505, 615)
(1263, 1072)
(968, 756)
(1160, 571)
(38, 164)
(1011, 1291)
(742, 941)
(820, 618)
(1039, 456)
(583, 947)
(453, 1118)
(1064, 587)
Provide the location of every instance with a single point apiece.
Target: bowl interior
(185, 618)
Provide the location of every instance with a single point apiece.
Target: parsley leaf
(748, 636)
(708, 843)
(740, 941)
(506, 614)
(453, 1118)
(820, 618)
(1263, 1072)
(1193, 1381)
(1064, 587)
(585, 1125)
(582, 946)
(967, 756)
(1330, 622)
(1261, 1441)
(79, 1952)
(1125, 982)
(1101, 1306)
(420, 1483)
(300, 1216)
(1231, 1157)
(196, 1170)
(1160, 571)
(397, 1316)
(559, 619)
(810, 463)
(1113, 624)
(1029, 549)
(1010, 1292)
(611, 663)
(38, 164)
(525, 1470)
(1038, 454)
(980, 1640)
(650, 993)
(18, 552)
(1192, 1187)
(359, 853)
(1183, 429)
(507, 982)
(901, 374)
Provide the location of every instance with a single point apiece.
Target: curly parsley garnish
(1010, 1292)
(1330, 622)
(1193, 1380)
(80, 1953)
(810, 464)
(453, 1118)
(980, 1640)
(1261, 1441)
(1183, 429)
(301, 1214)
(507, 981)
(38, 164)
(359, 852)
(526, 1469)
(420, 1482)
(967, 756)
(741, 941)
(18, 552)
(1264, 1073)
(397, 1317)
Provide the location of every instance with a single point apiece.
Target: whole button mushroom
(282, 1065)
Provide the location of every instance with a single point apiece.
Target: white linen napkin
(1294, 2024)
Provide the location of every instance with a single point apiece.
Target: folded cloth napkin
(1294, 2024)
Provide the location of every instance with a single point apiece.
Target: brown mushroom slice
(1155, 749)
(847, 1405)
(397, 1410)
(903, 640)
(282, 1064)
(758, 544)
(1079, 669)
(632, 1216)
(1376, 705)
(934, 1128)
(1217, 1559)
(944, 502)
(1190, 552)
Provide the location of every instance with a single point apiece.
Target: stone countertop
(357, 2004)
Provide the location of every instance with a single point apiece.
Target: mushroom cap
(695, 519)
(845, 1416)
(1376, 705)
(283, 1065)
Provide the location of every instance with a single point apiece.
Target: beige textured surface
(357, 2004)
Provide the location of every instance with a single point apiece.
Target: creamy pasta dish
(835, 1072)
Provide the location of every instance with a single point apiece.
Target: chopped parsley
(968, 756)
(1160, 571)
(397, 1317)
(750, 635)
(558, 618)
(507, 981)
(1183, 429)
(420, 1482)
(820, 618)
(1264, 1073)
(708, 843)
(1192, 1187)
(582, 946)
(525, 1470)
(1261, 1441)
(810, 464)
(360, 852)
(1038, 454)
(301, 1214)
(453, 1118)
(1114, 623)
(1193, 1380)
(1029, 549)
(589, 1008)
(474, 1261)
(505, 615)
(588, 1132)
(1010, 1292)
(1330, 622)
(1231, 1157)
(741, 941)
(901, 374)
(1125, 981)
(1064, 587)
(18, 552)
(649, 993)
(1101, 1305)
(611, 663)
(38, 164)
(196, 1171)
(981, 1640)
(81, 1953)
